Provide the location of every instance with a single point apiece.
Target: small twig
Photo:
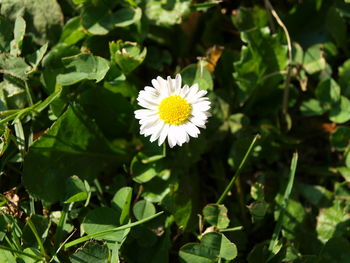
(290, 57)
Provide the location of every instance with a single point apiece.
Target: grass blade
(278, 227)
(106, 232)
(234, 178)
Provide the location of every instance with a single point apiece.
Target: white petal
(203, 106)
(163, 134)
(157, 130)
(191, 129)
(140, 114)
(172, 136)
(198, 122)
(178, 81)
(180, 134)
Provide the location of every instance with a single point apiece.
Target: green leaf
(312, 107)
(75, 190)
(332, 222)
(143, 209)
(220, 244)
(193, 252)
(98, 19)
(73, 31)
(142, 173)
(91, 252)
(336, 25)
(216, 215)
(344, 77)
(258, 210)
(102, 219)
(14, 66)
(113, 115)
(336, 250)
(6, 34)
(246, 19)
(197, 73)
(7, 256)
(328, 93)
(127, 55)
(44, 28)
(213, 246)
(340, 138)
(314, 60)
(35, 58)
(19, 31)
(340, 113)
(166, 13)
(121, 202)
(81, 67)
(262, 58)
(72, 146)
(316, 194)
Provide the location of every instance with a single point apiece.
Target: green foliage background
(79, 184)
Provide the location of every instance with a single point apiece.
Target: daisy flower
(172, 111)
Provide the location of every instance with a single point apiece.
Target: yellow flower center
(174, 110)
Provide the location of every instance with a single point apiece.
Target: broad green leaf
(34, 252)
(121, 202)
(6, 34)
(72, 146)
(316, 194)
(340, 113)
(143, 173)
(237, 122)
(249, 18)
(7, 256)
(262, 55)
(81, 67)
(336, 25)
(312, 107)
(113, 115)
(193, 252)
(213, 246)
(332, 222)
(258, 210)
(340, 139)
(336, 250)
(14, 66)
(53, 65)
(223, 247)
(328, 93)
(75, 190)
(197, 73)
(91, 252)
(19, 31)
(99, 20)
(165, 13)
(216, 215)
(102, 219)
(143, 209)
(344, 77)
(73, 31)
(127, 55)
(14, 90)
(293, 218)
(35, 58)
(314, 60)
(44, 28)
